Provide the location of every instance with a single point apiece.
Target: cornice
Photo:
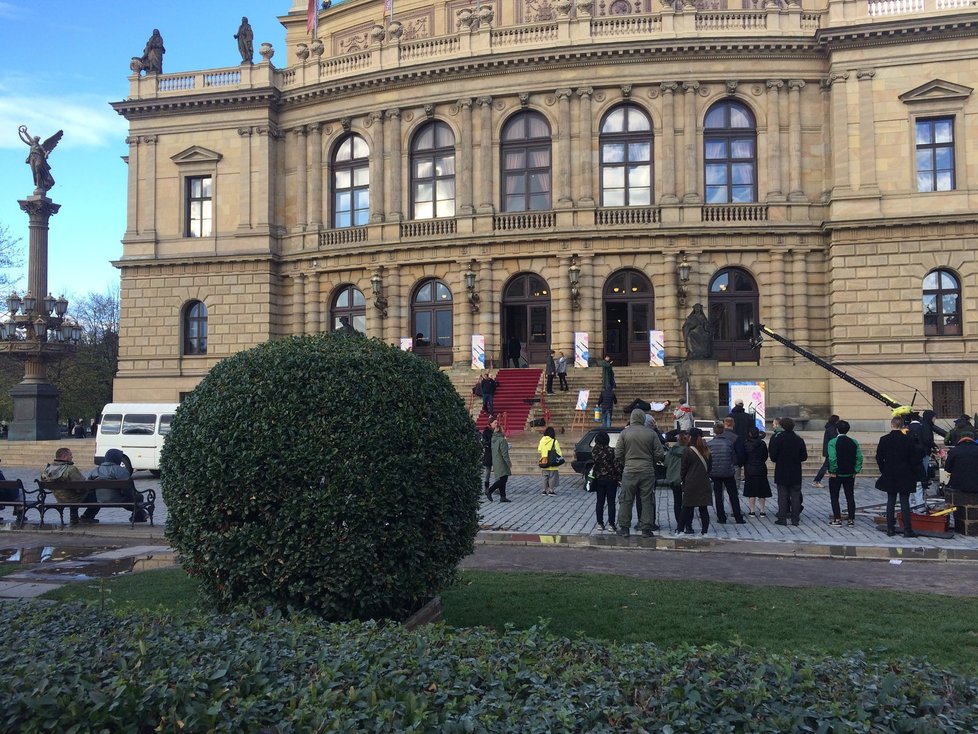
(897, 31)
(264, 98)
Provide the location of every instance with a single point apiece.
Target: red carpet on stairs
(514, 396)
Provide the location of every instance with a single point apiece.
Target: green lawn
(8, 568)
(883, 624)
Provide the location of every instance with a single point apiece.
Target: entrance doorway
(628, 317)
(733, 308)
(526, 315)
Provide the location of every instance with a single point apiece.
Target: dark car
(582, 449)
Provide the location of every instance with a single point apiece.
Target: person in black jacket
(788, 452)
(962, 465)
(756, 485)
(897, 456)
(607, 475)
(830, 432)
(927, 432)
(487, 452)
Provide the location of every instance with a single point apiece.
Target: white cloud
(87, 120)
(9, 11)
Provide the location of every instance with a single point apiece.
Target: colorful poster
(478, 352)
(582, 396)
(407, 344)
(752, 393)
(580, 349)
(657, 349)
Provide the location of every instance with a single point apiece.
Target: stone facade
(835, 239)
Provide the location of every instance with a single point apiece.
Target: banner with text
(580, 349)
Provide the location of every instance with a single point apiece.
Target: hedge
(329, 473)
(69, 668)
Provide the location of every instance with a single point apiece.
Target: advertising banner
(752, 393)
(657, 349)
(478, 352)
(580, 349)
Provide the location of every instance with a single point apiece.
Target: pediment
(196, 154)
(937, 90)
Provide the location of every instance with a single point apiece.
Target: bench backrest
(86, 484)
(11, 490)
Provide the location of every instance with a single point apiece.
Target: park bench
(13, 494)
(109, 491)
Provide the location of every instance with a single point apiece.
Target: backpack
(477, 390)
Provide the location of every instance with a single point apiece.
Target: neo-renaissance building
(540, 168)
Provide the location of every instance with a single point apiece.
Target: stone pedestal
(703, 378)
(35, 412)
(966, 516)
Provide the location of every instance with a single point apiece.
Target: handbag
(552, 460)
(589, 480)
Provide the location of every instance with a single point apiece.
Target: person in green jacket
(845, 462)
(673, 480)
(501, 464)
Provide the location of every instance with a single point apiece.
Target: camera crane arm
(756, 338)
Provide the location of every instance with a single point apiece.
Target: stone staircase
(39, 453)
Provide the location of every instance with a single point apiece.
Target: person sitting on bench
(63, 469)
(115, 466)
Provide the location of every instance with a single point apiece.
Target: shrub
(329, 473)
(70, 668)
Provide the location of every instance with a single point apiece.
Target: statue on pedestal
(153, 54)
(37, 159)
(698, 333)
(245, 37)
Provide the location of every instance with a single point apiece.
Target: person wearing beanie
(115, 467)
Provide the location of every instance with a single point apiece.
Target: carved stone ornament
(599, 97)
(429, 111)
(704, 90)
(585, 6)
(395, 29)
(563, 7)
(317, 47)
(524, 99)
(136, 65)
(346, 123)
(378, 33)
(464, 18)
(266, 51)
(486, 14)
(626, 90)
(302, 51)
(757, 90)
(732, 86)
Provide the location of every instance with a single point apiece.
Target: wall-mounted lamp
(377, 287)
(683, 270)
(574, 274)
(473, 297)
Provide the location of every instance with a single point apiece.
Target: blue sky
(63, 63)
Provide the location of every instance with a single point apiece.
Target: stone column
(691, 196)
(799, 292)
(563, 150)
(149, 199)
(773, 142)
(672, 311)
(841, 171)
(867, 132)
(316, 176)
(585, 154)
(298, 304)
(132, 186)
(264, 192)
(464, 191)
(379, 201)
(795, 190)
(302, 178)
(311, 303)
(591, 313)
(669, 143)
(485, 195)
(394, 167)
(463, 319)
(394, 323)
(244, 179)
(488, 311)
(774, 304)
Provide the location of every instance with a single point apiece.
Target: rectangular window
(948, 399)
(935, 154)
(111, 423)
(200, 206)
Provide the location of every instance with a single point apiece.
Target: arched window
(733, 308)
(349, 310)
(730, 154)
(195, 328)
(431, 319)
(525, 151)
(626, 157)
(433, 172)
(942, 304)
(351, 182)
(629, 313)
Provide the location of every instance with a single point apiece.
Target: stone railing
(734, 213)
(427, 47)
(428, 228)
(343, 236)
(524, 221)
(524, 34)
(731, 21)
(626, 216)
(626, 25)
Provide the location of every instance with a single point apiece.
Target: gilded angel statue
(37, 159)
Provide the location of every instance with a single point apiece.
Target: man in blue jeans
(606, 402)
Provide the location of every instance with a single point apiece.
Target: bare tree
(11, 257)
(98, 315)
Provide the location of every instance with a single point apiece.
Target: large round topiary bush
(330, 473)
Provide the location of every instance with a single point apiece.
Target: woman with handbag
(606, 475)
(550, 459)
(501, 463)
(696, 482)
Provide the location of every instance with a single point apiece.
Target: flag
(312, 18)
(389, 9)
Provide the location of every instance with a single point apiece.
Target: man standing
(562, 372)
(513, 350)
(897, 456)
(551, 371)
(724, 464)
(607, 401)
(488, 385)
(845, 462)
(788, 452)
(638, 450)
(607, 373)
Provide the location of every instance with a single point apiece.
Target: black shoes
(503, 499)
(742, 521)
(489, 495)
(910, 534)
(780, 522)
(623, 533)
(648, 534)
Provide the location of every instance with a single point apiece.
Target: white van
(136, 429)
